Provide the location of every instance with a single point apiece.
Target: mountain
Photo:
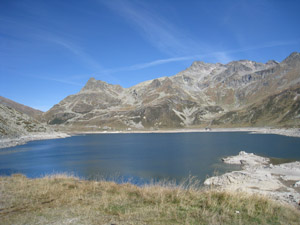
(239, 93)
(15, 124)
(282, 109)
(21, 108)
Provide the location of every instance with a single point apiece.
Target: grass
(63, 199)
(277, 161)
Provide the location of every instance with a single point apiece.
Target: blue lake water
(142, 157)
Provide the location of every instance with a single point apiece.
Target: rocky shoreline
(291, 132)
(279, 182)
(14, 141)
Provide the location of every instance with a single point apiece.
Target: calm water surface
(142, 157)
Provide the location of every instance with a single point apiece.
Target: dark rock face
(240, 93)
(61, 118)
(82, 108)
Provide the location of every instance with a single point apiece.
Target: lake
(141, 158)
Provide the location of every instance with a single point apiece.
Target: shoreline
(291, 132)
(11, 142)
(258, 176)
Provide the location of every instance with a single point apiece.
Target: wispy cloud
(70, 80)
(271, 44)
(150, 64)
(98, 69)
(162, 34)
(173, 40)
(75, 49)
(219, 56)
(34, 32)
(63, 81)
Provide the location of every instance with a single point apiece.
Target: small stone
(297, 184)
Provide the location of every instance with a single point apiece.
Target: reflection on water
(141, 158)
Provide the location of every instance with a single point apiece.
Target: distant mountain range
(240, 93)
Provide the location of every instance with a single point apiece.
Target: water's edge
(11, 142)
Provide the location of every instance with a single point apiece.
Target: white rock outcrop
(260, 177)
(245, 158)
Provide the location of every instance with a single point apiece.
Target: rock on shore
(280, 182)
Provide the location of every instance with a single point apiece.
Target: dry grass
(61, 199)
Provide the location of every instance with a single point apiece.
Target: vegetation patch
(63, 199)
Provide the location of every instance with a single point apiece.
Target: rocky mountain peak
(238, 66)
(94, 85)
(199, 65)
(293, 58)
(91, 85)
(196, 96)
(272, 63)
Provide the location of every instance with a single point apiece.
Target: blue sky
(49, 49)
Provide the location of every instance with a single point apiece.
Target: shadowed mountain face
(239, 93)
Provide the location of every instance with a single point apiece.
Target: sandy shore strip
(10, 142)
(279, 182)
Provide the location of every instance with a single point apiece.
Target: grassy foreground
(62, 199)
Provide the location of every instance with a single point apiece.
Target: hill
(21, 108)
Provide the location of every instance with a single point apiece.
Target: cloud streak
(99, 70)
(149, 64)
(39, 33)
(162, 34)
(168, 38)
(68, 81)
(75, 49)
(220, 56)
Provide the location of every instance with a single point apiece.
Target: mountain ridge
(14, 123)
(196, 96)
(35, 113)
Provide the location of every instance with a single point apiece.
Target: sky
(49, 49)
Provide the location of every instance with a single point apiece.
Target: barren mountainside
(21, 108)
(15, 124)
(239, 93)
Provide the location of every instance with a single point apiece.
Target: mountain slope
(14, 123)
(281, 109)
(201, 95)
(21, 108)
